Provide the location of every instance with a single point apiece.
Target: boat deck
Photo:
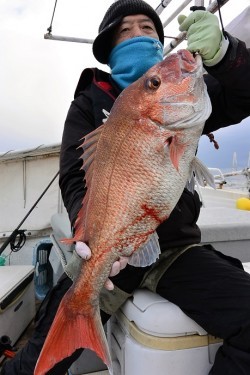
(223, 203)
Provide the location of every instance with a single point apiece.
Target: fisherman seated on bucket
(211, 288)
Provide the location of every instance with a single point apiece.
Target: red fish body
(137, 165)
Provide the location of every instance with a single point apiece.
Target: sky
(38, 77)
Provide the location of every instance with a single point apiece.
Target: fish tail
(69, 333)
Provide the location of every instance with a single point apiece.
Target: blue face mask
(130, 59)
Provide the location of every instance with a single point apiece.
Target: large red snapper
(137, 165)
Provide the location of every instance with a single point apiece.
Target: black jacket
(228, 86)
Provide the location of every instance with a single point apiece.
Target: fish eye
(153, 83)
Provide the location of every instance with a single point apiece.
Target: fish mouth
(189, 63)
(183, 98)
(198, 60)
(177, 100)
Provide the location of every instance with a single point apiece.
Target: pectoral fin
(176, 150)
(202, 173)
(147, 254)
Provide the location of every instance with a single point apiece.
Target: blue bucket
(43, 269)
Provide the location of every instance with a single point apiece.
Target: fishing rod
(21, 232)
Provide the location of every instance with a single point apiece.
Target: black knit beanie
(102, 45)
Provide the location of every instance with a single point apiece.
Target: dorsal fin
(89, 146)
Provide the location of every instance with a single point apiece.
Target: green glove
(204, 36)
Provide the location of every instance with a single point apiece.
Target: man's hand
(204, 36)
(84, 252)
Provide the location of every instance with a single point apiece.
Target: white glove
(84, 252)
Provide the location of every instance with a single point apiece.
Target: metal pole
(162, 6)
(49, 36)
(199, 3)
(176, 12)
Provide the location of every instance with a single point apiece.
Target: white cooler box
(17, 300)
(150, 335)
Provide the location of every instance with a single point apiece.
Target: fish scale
(136, 165)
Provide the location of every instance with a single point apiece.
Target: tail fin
(70, 332)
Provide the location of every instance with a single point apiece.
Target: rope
(220, 2)
(212, 140)
(49, 29)
(20, 237)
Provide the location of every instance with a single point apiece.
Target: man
(208, 286)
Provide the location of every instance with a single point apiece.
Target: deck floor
(24, 337)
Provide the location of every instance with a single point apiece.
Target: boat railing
(175, 40)
(219, 177)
